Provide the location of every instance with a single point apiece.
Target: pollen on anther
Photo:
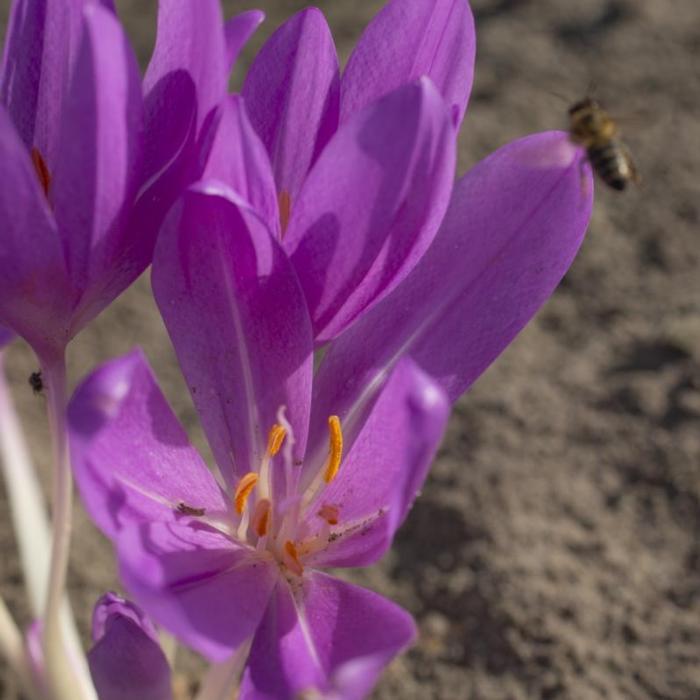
(335, 449)
(243, 490)
(261, 517)
(329, 513)
(290, 557)
(284, 201)
(42, 170)
(275, 439)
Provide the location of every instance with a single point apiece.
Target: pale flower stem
(12, 649)
(221, 680)
(168, 644)
(27, 509)
(66, 668)
(28, 513)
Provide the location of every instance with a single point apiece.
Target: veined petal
(190, 39)
(239, 159)
(96, 176)
(384, 468)
(237, 32)
(371, 205)
(126, 661)
(332, 639)
(41, 47)
(186, 79)
(513, 228)
(200, 586)
(35, 296)
(291, 92)
(119, 405)
(409, 39)
(236, 315)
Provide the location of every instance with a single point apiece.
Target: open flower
(126, 661)
(223, 566)
(360, 169)
(88, 168)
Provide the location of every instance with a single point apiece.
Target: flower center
(272, 509)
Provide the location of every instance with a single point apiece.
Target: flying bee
(593, 128)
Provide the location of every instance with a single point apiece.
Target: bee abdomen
(611, 164)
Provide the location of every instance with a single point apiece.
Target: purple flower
(126, 661)
(88, 170)
(362, 167)
(70, 149)
(221, 567)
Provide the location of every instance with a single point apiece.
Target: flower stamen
(290, 558)
(243, 490)
(329, 513)
(261, 517)
(275, 439)
(284, 201)
(335, 449)
(42, 170)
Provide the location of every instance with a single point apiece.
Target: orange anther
(42, 170)
(329, 513)
(275, 439)
(290, 557)
(335, 449)
(284, 201)
(243, 490)
(261, 517)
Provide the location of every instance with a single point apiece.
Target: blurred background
(555, 551)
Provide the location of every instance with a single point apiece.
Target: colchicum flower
(88, 166)
(126, 661)
(223, 566)
(359, 184)
(70, 154)
(319, 470)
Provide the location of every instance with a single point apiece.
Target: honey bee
(593, 128)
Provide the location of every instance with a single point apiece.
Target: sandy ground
(555, 551)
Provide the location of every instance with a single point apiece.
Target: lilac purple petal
(384, 468)
(371, 205)
(121, 405)
(96, 177)
(35, 293)
(409, 39)
(190, 39)
(237, 32)
(126, 662)
(185, 80)
(292, 92)
(41, 47)
(196, 583)
(239, 159)
(513, 228)
(236, 315)
(334, 638)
